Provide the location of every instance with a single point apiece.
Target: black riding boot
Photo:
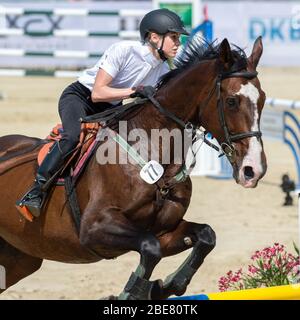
(36, 196)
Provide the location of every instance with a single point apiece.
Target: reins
(111, 116)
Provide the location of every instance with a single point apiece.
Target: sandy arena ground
(244, 220)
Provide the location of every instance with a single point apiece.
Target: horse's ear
(225, 55)
(256, 52)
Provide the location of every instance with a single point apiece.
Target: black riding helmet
(161, 21)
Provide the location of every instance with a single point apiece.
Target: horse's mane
(198, 50)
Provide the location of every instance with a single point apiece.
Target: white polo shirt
(130, 63)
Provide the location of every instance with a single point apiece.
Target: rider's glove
(143, 92)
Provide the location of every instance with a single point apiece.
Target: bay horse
(214, 86)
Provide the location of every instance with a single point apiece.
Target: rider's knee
(68, 143)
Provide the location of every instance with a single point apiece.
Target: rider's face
(171, 43)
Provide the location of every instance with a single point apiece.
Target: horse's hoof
(173, 288)
(157, 290)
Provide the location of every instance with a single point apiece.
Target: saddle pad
(43, 152)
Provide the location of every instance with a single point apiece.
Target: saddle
(79, 155)
(76, 161)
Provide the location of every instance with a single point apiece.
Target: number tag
(152, 172)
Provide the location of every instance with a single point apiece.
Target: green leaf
(296, 248)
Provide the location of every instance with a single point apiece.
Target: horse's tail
(18, 149)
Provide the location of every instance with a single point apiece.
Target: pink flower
(256, 255)
(282, 267)
(252, 269)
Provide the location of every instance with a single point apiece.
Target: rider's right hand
(143, 92)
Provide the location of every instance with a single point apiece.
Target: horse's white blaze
(253, 156)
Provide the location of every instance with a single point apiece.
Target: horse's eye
(232, 102)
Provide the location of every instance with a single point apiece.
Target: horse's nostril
(249, 173)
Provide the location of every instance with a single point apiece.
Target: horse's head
(234, 119)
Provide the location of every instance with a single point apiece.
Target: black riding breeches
(75, 103)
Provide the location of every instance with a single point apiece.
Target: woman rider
(123, 67)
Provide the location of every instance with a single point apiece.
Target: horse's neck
(180, 96)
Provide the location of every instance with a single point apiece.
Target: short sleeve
(112, 60)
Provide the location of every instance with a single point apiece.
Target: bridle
(110, 116)
(227, 146)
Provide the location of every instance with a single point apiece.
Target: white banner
(241, 22)
(277, 22)
(48, 23)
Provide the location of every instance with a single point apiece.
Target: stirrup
(28, 212)
(23, 210)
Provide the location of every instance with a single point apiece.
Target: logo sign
(275, 29)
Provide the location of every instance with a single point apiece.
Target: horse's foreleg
(15, 265)
(199, 236)
(138, 286)
(111, 231)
